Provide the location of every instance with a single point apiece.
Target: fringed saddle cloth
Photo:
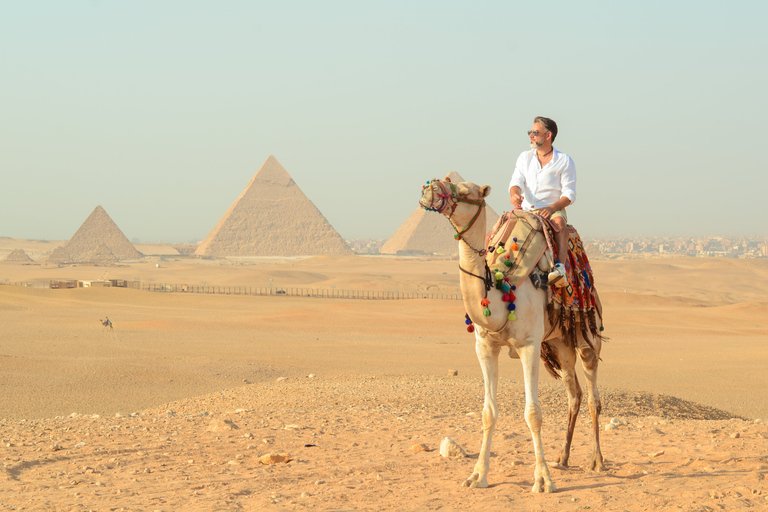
(521, 245)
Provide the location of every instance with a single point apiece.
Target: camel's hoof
(475, 482)
(596, 464)
(544, 487)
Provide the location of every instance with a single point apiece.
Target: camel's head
(462, 203)
(443, 196)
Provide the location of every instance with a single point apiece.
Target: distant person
(544, 181)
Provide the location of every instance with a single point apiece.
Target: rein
(445, 195)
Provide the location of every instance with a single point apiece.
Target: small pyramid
(98, 230)
(272, 217)
(430, 232)
(60, 255)
(17, 255)
(102, 253)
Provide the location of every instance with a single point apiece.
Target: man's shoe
(557, 276)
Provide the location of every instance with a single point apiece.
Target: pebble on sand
(218, 425)
(275, 458)
(450, 448)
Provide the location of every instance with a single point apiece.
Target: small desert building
(272, 217)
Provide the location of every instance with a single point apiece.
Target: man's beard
(536, 145)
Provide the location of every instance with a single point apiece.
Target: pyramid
(272, 217)
(430, 232)
(102, 253)
(60, 255)
(17, 255)
(98, 240)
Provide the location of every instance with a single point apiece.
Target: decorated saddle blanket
(517, 243)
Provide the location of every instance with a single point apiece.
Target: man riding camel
(544, 182)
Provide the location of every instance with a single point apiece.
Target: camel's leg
(567, 357)
(589, 361)
(488, 356)
(529, 357)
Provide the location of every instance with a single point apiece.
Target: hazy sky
(162, 112)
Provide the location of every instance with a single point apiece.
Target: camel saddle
(516, 244)
(518, 248)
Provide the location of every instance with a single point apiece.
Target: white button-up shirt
(544, 186)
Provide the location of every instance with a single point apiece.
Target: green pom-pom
(486, 312)
(508, 263)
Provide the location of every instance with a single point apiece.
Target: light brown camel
(464, 205)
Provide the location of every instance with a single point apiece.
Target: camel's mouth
(436, 196)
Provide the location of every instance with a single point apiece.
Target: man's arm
(517, 182)
(516, 196)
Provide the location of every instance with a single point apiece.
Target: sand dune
(687, 353)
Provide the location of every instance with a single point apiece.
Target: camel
(107, 324)
(464, 205)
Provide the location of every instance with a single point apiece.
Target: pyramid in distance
(98, 240)
(426, 232)
(17, 255)
(272, 217)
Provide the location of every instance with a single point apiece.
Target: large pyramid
(426, 232)
(98, 240)
(272, 217)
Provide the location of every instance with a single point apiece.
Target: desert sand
(177, 407)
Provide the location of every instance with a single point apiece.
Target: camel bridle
(446, 195)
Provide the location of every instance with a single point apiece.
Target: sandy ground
(175, 407)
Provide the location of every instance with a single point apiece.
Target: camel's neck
(473, 288)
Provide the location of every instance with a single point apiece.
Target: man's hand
(516, 199)
(546, 212)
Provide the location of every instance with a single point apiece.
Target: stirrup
(558, 277)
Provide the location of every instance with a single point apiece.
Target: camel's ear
(463, 189)
(485, 190)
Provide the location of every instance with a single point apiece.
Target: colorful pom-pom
(499, 249)
(486, 312)
(470, 328)
(499, 276)
(514, 245)
(485, 302)
(508, 263)
(511, 316)
(505, 297)
(511, 306)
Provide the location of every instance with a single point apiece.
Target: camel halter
(445, 195)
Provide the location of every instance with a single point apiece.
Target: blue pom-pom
(511, 306)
